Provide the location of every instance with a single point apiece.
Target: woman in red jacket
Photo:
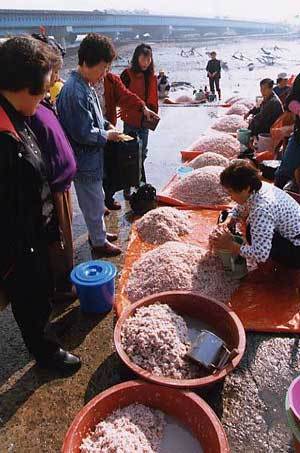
(141, 80)
(112, 93)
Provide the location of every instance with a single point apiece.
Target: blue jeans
(143, 135)
(290, 162)
(90, 197)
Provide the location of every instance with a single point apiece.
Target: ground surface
(36, 408)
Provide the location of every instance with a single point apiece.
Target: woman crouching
(272, 218)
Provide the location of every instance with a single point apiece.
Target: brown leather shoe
(107, 249)
(113, 205)
(111, 237)
(106, 212)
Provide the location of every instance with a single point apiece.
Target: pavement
(36, 407)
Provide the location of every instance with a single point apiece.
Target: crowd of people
(44, 147)
(48, 142)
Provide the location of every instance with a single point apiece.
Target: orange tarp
(265, 301)
(164, 198)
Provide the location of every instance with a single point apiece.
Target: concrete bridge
(68, 24)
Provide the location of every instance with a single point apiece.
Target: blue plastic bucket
(244, 136)
(95, 285)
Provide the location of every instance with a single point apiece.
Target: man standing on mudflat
(213, 69)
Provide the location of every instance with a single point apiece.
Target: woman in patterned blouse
(272, 217)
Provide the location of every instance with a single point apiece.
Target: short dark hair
(268, 82)
(95, 48)
(52, 42)
(240, 175)
(24, 63)
(146, 50)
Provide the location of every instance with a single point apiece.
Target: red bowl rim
(290, 398)
(182, 383)
(74, 427)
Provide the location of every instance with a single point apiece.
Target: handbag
(143, 200)
(150, 124)
(123, 164)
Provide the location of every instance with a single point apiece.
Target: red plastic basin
(188, 408)
(294, 399)
(217, 316)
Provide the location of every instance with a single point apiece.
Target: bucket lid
(93, 272)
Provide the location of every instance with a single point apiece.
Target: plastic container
(294, 399)
(264, 143)
(243, 136)
(235, 265)
(292, 424)
(184, 171)
(187, 407)
(216, 317)
(95, 285)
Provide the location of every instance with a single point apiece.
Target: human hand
(149, 114)
(114, 136)
(110, 127)
(222, 239)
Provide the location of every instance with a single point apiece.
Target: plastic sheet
(282, 128)
(266, 301)
(202, 224)
(163, 197)
(190, 155)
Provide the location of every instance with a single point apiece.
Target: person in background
(55, 90)
(61, 169)
(112, 93)
(272, 217)
(82, 118)
(282, 88)
(28, 219)
(268, 112)
(140, 79)
(291, 158)
(213, 69)
(163, 85)
(57, 47)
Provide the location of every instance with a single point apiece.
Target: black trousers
(214, 85)
(283, 251)
(28, 288)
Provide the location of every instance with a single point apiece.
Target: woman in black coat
(28, 222)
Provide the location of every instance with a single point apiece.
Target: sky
(271, 10)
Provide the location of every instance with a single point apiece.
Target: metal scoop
(210, 351)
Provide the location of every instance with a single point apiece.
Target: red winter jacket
(117, 95)
(135, 82)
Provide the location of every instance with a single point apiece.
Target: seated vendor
(163, 85)
(272, 217)
(268, 112)
(282, 88)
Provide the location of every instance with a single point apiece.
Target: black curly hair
(240, 175)
(95, 48)
(24, 63)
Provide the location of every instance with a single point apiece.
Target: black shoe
(62, 361)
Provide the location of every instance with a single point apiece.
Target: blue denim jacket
(81, 116)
